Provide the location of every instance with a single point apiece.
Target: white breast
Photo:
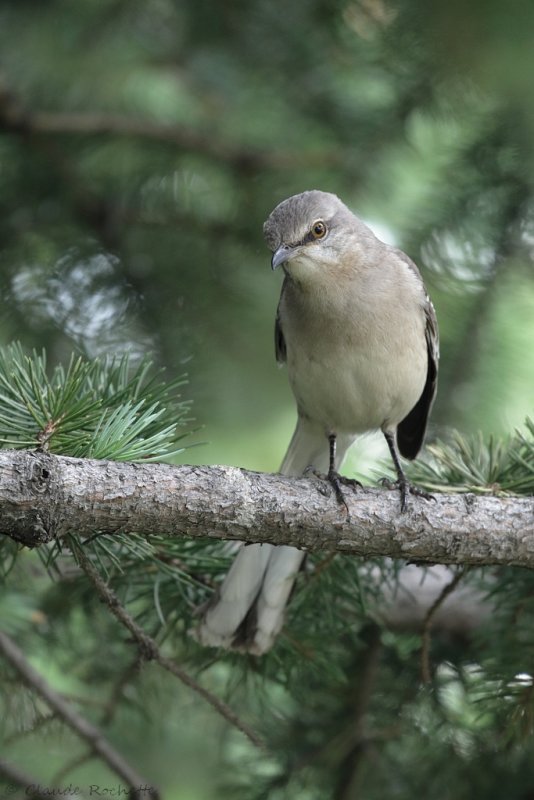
(356, 352)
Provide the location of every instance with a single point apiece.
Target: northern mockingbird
(359, 335)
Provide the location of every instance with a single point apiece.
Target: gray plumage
(359, 336)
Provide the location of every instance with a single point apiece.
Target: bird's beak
(281, 255)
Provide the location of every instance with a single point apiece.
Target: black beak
(281, 255)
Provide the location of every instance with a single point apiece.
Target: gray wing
(411, 431)
(280, 349)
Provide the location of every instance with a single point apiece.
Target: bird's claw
(336, 481)
(405, 488)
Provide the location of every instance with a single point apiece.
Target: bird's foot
(405, 488)
(336, 481)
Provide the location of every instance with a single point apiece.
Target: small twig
(428, 620)
(70, 765)
(37, 725)
(116, 693)
(90, 702)
(85, 729)
(44, 435)
(323, 564)
(149, 649)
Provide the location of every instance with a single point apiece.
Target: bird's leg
(333, 477)
(402, 482)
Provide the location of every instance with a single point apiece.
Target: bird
(359, 336)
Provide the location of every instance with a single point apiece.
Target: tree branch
(44, 496)
(19, 120)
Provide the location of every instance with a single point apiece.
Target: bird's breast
(355, 365)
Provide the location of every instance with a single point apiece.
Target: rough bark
(44, 496)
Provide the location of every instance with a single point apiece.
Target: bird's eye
(318, 230)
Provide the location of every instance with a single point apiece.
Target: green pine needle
(471, 464)
(104, 408)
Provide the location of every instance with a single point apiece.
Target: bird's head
(312, 232)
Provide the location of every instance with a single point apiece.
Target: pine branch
(43, 497)
(85, 729)
(149, 649)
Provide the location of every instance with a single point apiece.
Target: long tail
(248, 611)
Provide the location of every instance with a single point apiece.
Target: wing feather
(411, 431)
(280, 349)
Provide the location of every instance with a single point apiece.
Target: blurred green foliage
(142, 145)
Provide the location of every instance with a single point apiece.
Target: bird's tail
(248, 611)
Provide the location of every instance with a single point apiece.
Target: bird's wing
(279, 340)
(411, 431)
